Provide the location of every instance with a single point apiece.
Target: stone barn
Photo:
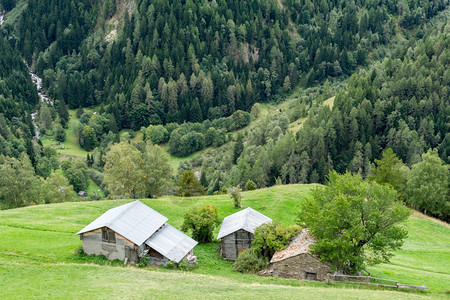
(236, 232)
(297, 262)
(131, 231)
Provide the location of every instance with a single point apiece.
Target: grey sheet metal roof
(171, 243)
(247, 219)
(134, 221)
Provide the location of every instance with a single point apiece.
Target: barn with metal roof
(236, 232)
(130, 231)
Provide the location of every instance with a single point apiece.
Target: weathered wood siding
(121, 249)
(233, 243)
(297, 267)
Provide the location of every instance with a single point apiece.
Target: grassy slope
(41, 240)
(70, 146)
(425, 256)
(12, 16)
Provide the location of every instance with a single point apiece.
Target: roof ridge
(244, 222)
(132, 204)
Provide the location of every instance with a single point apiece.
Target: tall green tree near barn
(125, 171)
(17, 183)
(355, 223)
(427, 188)
(131, 173)
(56, 189)
(158, 171)
(389, 170)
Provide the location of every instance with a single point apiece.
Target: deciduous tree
(17, 183)
(125, 171)
(201, 221)
(427, 188)
(158, 171)
(355, 222)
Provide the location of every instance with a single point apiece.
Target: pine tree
(63, 114)
(195, 114)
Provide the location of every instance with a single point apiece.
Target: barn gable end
(122, 248)
(234, 243)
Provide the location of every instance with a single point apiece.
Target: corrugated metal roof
(247, 219)
(299, 245)
(171, 243)
(134, 221)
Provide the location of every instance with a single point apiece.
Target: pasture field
(38, 256)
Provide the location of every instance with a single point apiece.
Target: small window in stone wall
(108, 235)
(311, 275)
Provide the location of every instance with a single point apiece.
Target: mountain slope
(167, 58)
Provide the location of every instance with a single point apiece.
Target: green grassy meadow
(70, 146)
(38, 256)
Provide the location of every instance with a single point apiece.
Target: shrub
(96, 176)
(250, 185)
(256, 109)
(183, 266)
(144, 261)
(159, 135)
(235, 194)
(201, 221)
(189, 185)
(271, 237)
(94, 195)
(60, 133)
(66, 164)
(249, 262)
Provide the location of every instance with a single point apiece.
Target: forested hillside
(17, 98)
(400, 103)
(168, 57)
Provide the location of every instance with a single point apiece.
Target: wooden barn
(297, 262)
(132, 231)
(236, 232)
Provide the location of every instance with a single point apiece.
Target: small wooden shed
(132, 231)
(236, 232)
(297, 262)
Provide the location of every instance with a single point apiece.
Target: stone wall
(233, 244)
(93, 244)
(297, 266)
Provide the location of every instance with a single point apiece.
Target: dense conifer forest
(18, 97)
(169, 57)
